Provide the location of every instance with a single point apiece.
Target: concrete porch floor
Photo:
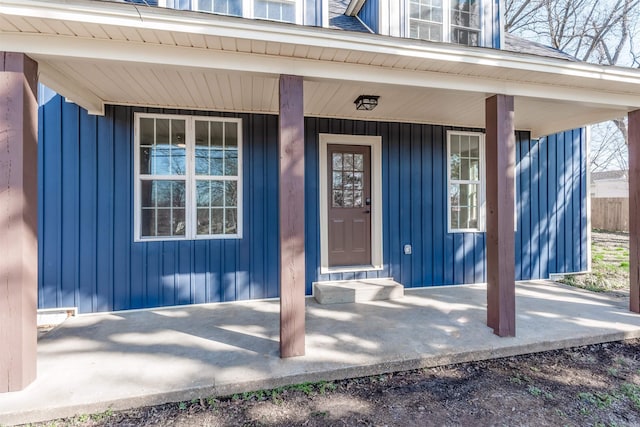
(123, 360)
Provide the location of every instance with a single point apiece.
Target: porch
(122, 360)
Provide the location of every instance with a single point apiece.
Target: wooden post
(500, 193)
(18, 220)
(634, 208)
(292, 263)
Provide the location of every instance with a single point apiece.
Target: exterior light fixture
(366, 102)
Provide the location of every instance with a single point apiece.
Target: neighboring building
(610, 184)
(200, 158)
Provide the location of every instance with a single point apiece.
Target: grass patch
(631, 392)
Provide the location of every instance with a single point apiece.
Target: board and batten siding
(88, 258)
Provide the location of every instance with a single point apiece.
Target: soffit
(96, 53)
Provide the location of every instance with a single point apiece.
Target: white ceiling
(154, 57)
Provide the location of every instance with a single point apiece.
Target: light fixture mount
(366, 102)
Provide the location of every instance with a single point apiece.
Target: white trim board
(375, 142)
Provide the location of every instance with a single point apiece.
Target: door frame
(375, 144)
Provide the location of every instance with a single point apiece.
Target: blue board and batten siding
(88, 259)
(87, 255)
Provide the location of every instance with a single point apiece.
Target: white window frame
(248, 9)
(190, 179)
(297, 3)
(446, 23)
(375, 144)
(482, 184)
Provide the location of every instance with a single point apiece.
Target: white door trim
(375, 142)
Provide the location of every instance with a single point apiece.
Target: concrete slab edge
(411, 363)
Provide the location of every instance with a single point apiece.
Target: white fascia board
(47, 48)
(354, 7)
(153, 18)
(60, 83)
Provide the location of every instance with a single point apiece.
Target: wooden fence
(611, 214)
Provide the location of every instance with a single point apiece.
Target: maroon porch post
(501, 160)
(292, 266)
(18, 220)
(634, 208)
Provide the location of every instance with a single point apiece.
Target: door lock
(367, 201)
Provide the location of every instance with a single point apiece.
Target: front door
(349, 187)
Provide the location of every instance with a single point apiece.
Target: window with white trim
(188, 177)
(275, 10)
(465, 181)
(455, 21)
(224, 7)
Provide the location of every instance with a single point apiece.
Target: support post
(292, 262)
(634, 208)
(500, 194)
(18, 220)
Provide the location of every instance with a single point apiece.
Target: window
(275, 10)
(455, 21)
(465, 170)
(224, 7)
(188, 177)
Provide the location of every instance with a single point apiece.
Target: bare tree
(597, 31)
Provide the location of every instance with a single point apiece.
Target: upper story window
(465, 178)
(455, 21)
(275, 10)
(188, 181)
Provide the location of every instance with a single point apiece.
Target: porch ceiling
(98, 53)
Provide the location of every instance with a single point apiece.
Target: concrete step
(350, 291)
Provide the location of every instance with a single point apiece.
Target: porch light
(366, 102)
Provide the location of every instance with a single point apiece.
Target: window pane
(231, 162)
(217, 221)
(337, 180)
(215, 162)
(162, 131)
(454, 165)
(217, 140)
(358, 162)
(348, 161)
(260, 9)
(231, 221)
(202, 133)
(203, 194)
(145, 160)
(148, 222)
(203, 221)
(147, 131)
(202, 161)
(231, 134)
(235, 7)
(348, 199)
(231, 193)
(217, 193)
(204, 5)
(337, 161)
(178, 161)
(337, 199)
(289, 12)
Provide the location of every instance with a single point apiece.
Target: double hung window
(188, 177)
(465, 170)
(275, 10)
(455, 21)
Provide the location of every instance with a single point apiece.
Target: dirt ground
(596, 385)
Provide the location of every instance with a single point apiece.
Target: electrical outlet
(407, 249)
